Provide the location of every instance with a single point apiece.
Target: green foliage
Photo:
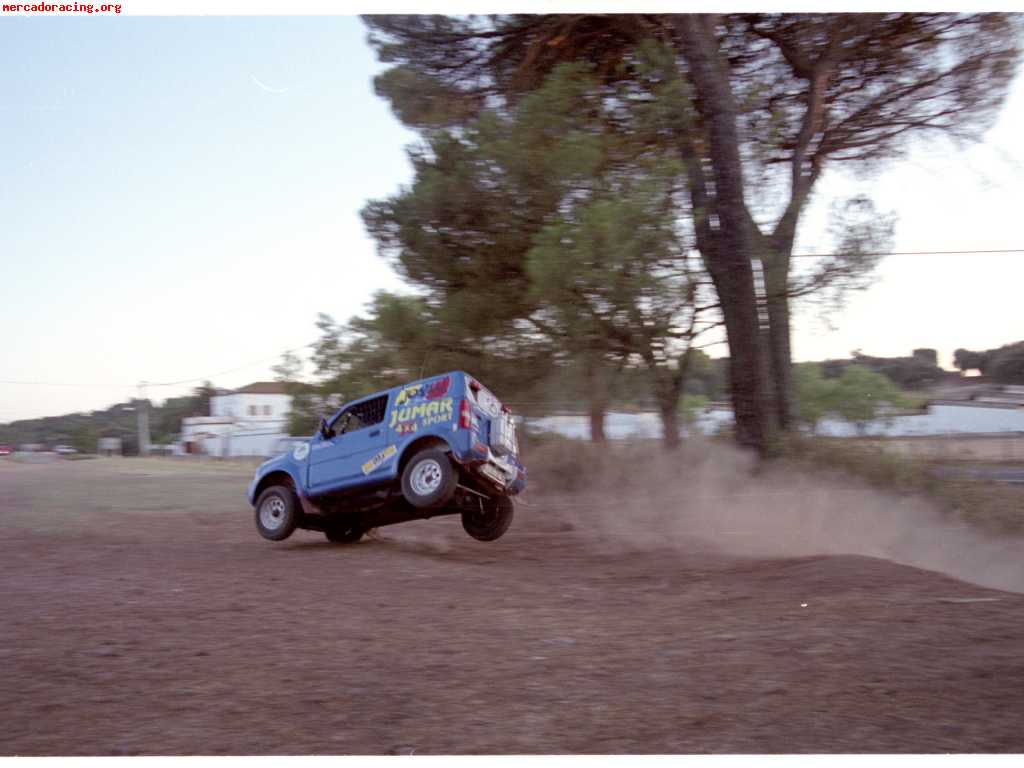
(707, 376)
(420, 100)
(804, 92)
(927, 355)
(607, 267)
(966, 360)
(690, 406)
(544, 233)
(815, 394)
(914, 372)
(304, 411)
(165, 420)
(859, 395)
(1005, 364)
(859, 233)
(399, 339)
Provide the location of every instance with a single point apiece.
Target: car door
(354, 448)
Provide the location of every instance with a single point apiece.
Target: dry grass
(991, 506)
(822, 498)
(561, 465)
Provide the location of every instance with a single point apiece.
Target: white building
(109, 446)
(618, 425)
(949, 417)
(1000, 412)
(250, 421)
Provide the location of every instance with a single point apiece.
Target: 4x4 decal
(379, 459)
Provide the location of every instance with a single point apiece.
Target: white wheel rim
(426, 477)
(272, 513)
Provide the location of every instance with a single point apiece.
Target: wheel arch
(427, 441)
(277, 477)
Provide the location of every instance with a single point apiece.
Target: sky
(180, 197)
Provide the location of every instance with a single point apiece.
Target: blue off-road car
(439, 446)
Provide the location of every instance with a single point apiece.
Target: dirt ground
(142, 614)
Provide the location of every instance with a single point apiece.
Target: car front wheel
(277, 513)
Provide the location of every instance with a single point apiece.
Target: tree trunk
(597, 400)
(731, 263)
(768, 366)
(596, 423)
(668, 387)
(669, 412)
(776, 256)
(782, 362)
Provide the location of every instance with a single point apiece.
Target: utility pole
(143, 415)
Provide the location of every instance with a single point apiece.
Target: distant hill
(83, 430)
(1003, 365)
(918, 371)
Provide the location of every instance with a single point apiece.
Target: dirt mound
(636, 497)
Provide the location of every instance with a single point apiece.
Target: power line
(230, 370)
(312, 344)
(64, 384)
(911, 253)
(207, 377)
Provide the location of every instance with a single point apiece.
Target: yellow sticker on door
(379, 459)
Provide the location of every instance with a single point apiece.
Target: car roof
(400, 387)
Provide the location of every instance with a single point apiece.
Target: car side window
(361, 415)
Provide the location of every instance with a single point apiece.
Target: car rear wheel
(277, 513)
(429, 479)
(344, 532)
(490, 519)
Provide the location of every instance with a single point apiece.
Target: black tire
(490, 522)
(277, 513)
(429, 479)
(345, 531)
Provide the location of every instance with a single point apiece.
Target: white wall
(226, 437)
(617, 426)
(233, 445)
(193, 426)
(239, 405)
(941, 419)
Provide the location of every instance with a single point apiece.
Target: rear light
(506, 409)
(465, 414)
(474, 385)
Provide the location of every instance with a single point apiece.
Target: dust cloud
(709, 497)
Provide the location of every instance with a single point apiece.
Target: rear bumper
(506, 476)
